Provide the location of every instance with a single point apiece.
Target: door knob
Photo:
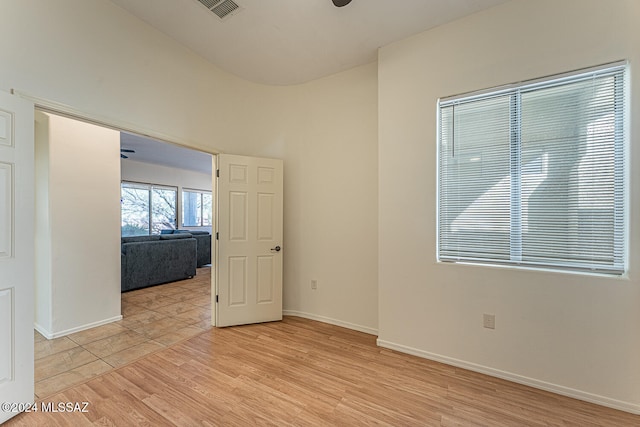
(276, 249)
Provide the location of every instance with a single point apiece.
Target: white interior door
(16, 253)
(249, 255)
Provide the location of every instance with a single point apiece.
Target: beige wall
(79, 225)
(94, 57)
(131, 170)
(572, 333)
(330, 205)
(43, 302)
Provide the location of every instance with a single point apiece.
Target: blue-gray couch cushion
(131, 239)
(204, 243)
(156, 260)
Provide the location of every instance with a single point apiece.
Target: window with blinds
(534, 174)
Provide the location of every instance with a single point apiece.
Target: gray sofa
(152, 260)
(204, 244)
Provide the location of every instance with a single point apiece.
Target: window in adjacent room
(196, 208)
(147, 208)
(534, 174)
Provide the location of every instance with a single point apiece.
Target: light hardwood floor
(306, 373)
(153, 318)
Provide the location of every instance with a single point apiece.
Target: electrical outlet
(489, 321)
(314, 284)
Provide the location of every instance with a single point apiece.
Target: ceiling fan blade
(340, 3)
(126, 150)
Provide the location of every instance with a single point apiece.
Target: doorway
(236, 281)
(87, 208)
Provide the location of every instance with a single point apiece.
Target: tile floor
(153, 318)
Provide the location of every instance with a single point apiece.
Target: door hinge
(217, 236)
(216, 298)
(218, 173)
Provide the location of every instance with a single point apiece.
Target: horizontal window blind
(534, 174)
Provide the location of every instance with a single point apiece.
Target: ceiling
(161, 153)
(284, 42)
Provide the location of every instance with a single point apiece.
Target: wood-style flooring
(153, 318)
(300, 372)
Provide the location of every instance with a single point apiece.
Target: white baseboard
(53, 335)
(542, 385)
(331, 321)
(44, 332)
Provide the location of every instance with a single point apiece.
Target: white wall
(572, 333)
(148, 173)
(330, 204)
(42, 294)
(80, 256)
(96, 58)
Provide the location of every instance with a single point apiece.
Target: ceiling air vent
(222, 8)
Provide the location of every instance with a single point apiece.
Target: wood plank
(305, 373)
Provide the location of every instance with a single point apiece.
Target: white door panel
(249, 267)
(16, 251)
(6, 328)
(6, 209)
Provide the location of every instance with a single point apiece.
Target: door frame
(60, 109)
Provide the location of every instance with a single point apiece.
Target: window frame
(149, 187)
(201, 194)
(620, 133)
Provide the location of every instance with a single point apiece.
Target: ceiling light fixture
(340, 3)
